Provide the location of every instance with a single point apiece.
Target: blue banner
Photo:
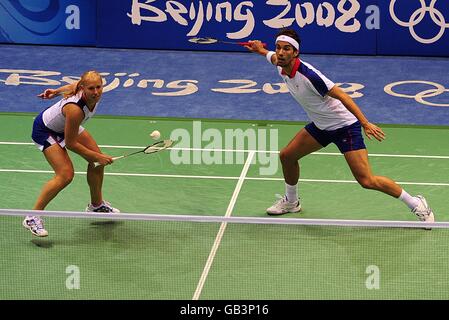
(402, 27)
(333, 26)
(369, 27)
(68, 22)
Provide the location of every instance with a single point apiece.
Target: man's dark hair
(291, 33)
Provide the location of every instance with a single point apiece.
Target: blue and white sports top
(53, 117)
(310, 87)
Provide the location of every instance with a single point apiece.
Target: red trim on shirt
(294, 70)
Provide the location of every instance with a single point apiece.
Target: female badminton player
(59, 128)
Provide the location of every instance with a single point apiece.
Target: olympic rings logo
(420, 96)
(418, 16)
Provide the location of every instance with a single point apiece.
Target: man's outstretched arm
(256, 46)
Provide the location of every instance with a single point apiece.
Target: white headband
(290, 40)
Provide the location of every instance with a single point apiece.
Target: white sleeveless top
(53, 117)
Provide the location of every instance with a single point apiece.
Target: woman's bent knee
(65, 178)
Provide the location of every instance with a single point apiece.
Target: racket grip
(247, 44)
(96, 164)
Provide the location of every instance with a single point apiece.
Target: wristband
(269, 55)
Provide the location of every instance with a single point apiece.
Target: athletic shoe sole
(26, 226)
(292, 210)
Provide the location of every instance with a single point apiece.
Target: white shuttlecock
(155, 135)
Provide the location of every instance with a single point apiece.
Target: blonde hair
(86, 75)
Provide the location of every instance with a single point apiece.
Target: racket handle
(96, 164)
(247, 44)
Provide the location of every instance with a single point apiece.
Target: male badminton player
(59, 128)
(335, 119)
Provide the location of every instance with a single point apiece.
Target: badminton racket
(209, 40)
(153, 148)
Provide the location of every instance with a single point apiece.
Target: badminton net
(183, 257)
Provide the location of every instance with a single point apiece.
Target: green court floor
(165, 260)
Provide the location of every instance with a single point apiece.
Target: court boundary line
(256, 151)
(155, 175)
(223, 225)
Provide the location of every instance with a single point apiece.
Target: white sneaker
(104, 207)
(423, 211)
(35, 225)
(283, 206)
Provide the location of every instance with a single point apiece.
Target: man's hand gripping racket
(153, 148)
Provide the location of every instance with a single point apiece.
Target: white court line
(255, 151)
(17, 143)
(124, 174)
(223, 225)
(351, 181)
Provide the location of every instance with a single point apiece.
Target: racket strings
(203, 40)
(158, 146)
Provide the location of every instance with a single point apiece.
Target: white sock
(410, 201)
(291, 192)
